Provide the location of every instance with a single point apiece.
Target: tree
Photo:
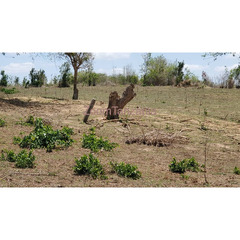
(65, 77)
(4, 79)
(37, 78)
(78, 61)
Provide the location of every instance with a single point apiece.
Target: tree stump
(116, 104)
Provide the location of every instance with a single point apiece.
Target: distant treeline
(155, 71)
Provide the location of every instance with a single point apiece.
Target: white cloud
(112, 56)
(195, 67)
(110, 71)
(222, 68)
(16, 68)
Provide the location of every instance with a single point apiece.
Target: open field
(199, 116)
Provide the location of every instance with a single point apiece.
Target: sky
(20, 65)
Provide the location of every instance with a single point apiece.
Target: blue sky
(105, 63)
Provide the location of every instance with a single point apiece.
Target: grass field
(207, 119)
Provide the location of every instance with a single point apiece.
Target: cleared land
(189, 115)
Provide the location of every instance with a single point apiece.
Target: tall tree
(78, 61)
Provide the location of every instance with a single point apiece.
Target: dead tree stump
(116, 104)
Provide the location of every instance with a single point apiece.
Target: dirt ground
(55, 169)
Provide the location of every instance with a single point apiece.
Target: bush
(95, 143)
(2, 123)
(22, 159)
(37, 79)
(29, 122)
(237, 170)
(25, 160)
(184, 165)
(4, 79)
(9, 91)
(89, 165)
(126, 170)
(43, 136)
(10, 156)
(65, 77)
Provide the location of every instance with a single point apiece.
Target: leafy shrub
(95, 143)
(9, 91)
(89, 165)
(22, 159)
(25, 160)
(184, 165)
(2, 123)
(8, 156)
(3, 79)
(237, 170)
(126, 170)
(29, 122)
(37, 78)
(43, 136)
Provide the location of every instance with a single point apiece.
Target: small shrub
(22, 159)
(25, 159)
(9, 91)
(8, 156)
(126, 170)
(89, 165)
(237, 170)
(29, 122)
(94, 143)
(184, 165)
(43, 136)
(2, 123)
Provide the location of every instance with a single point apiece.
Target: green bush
(91, 141)
(9, 91)
(2, 123)
(184, 165)
(8, 156)
(126, 170)
(22, 159)
(29, 122)
(25, 160)
(89, 165)
(237, 170)
(43, 136)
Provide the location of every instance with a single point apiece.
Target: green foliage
(180, 74)
(23, 159)
(8, 155)
(65, 77)
(29, 122)
(89, 165)
(126, 170)
(43, 136)
(237, 170)
(91, 141)
(2, 123)
(9, 91)
(184, 165)
(37, 78)
(3, 79)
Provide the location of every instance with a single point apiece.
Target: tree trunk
(75, 90)
(116, 104)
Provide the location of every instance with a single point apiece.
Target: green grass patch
(2, 123)
(9, 91)
(236, 170)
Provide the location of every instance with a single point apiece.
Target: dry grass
(175, 117)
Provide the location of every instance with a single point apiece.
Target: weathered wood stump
(89, 110)
(116, 104)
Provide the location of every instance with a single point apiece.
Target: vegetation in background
(43, 136)
(94, 143)
(37, 78)
(66, 76)
(126, 170)
(3, 79)
(89, 165)
(9, 91)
